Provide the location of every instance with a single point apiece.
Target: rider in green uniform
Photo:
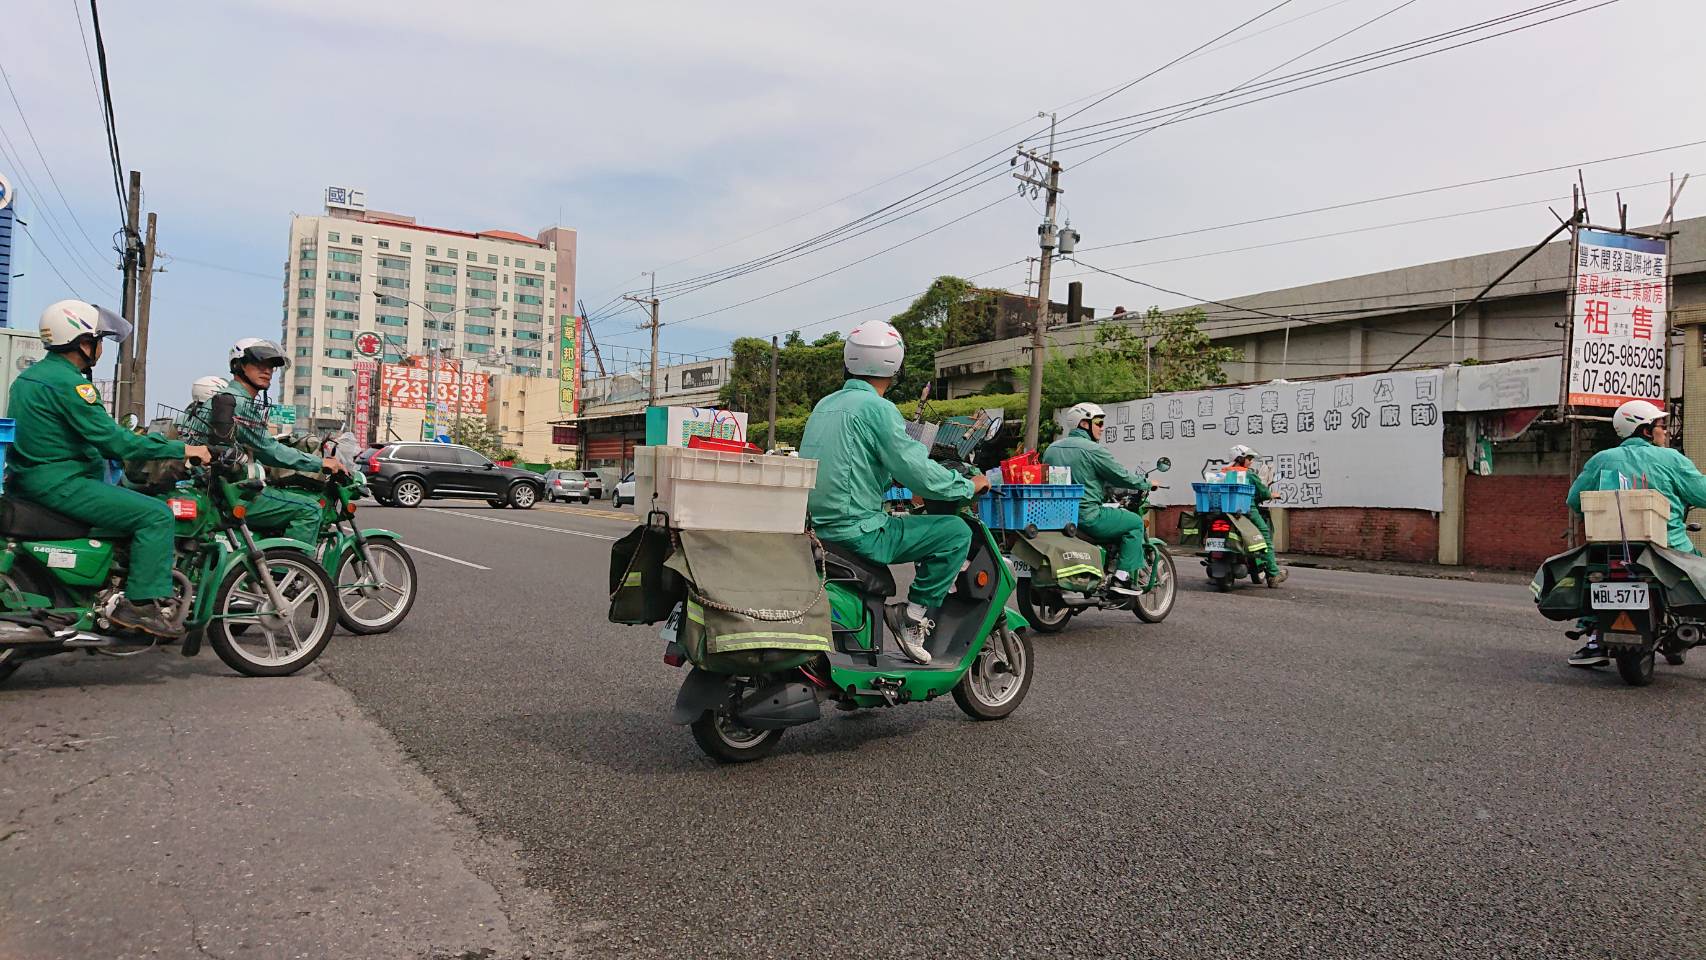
(1095, 468)
(275, 510)
(1244, 460)
(1643, 458)
(861, 445)
(65, 437)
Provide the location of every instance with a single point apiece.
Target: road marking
(441, 556)
(587, 512)
(530, 526)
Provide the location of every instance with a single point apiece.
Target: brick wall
(1364, 533)
(1513, 521)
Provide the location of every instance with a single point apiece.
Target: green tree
(478, 435)
(1167, 353)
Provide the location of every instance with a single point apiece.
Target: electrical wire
(51, 265)
(59, 233)
(48, 166)
(107, 113)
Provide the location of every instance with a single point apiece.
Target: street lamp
(429, 346)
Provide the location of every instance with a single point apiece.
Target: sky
(685, 139)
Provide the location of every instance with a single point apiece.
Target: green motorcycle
(266, 606)
(1062, 573)
(372, 571)
(766, 653)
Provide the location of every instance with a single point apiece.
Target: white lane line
(441, 556)
(531, 526)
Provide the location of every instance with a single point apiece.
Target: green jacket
(252, 432)
(1643, 464)
(860, 443)
(1092, 466)
(64, 432)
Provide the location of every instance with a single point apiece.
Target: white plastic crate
(719, 490)
(1645, 516)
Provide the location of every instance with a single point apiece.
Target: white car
(624, 492)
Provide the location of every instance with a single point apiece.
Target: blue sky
(663, 130)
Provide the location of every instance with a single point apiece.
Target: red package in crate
(699, 442)
(1027, 467)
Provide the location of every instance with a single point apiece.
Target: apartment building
(493, 299)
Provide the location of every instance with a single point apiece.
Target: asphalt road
(1353, 765)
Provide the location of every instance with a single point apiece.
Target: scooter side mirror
(1694, 528)
(222, 419)
(1164, 464)
(131, 421)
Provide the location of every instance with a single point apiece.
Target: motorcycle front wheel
(376, 600)
(275, 643)
(1153, 605)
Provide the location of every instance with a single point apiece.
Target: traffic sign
(368, 344)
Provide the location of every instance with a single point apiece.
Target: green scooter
(739, 704)
(1062, 572)
(59, 578)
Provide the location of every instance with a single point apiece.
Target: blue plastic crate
(1224, 497)
(8, 432)
(896, 494)
(1047, 506)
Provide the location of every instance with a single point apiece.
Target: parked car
(566, 485)
(594, 483)
(405, 474)
(624, 492)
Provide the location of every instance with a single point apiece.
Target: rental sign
(1618, 331)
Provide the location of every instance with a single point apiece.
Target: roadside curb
(1385, 567)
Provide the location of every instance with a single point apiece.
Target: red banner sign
(462, 392)
(364, 373)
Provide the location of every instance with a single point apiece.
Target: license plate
(1020, 568)
(1618, 596)
(1215, 545)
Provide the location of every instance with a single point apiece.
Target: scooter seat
(871, 579)
(23, 520)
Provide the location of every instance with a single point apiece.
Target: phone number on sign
(1623, 355)
(1621, 383)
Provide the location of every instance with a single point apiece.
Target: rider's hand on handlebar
(333, 466)
(197, 454)
(979, 485)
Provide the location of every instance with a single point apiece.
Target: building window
(344, 256)
(529, 298)
(448, 325)
(473, 257)
(394, 282)
(305, 274)
(337, 354)
(334, 333)
(305, 293)
(475, 293)
(304, 351)
(478, 329)
(305, 313)
(384, 244)
(447, 288)
(553, 267)
(539, 266)
(405, 247)
(393, 263)
(492, 259)
(344, 275)
(477, 347)
(385, 300)
(439, 307)
(522, 280)
(523, 352)
(433, 252)
(307, 254)
(347, 295)
(482, 275)
(392, 320)
(529, 335)
(305, 331)
(442, 269)
(392, 357)
(349, 315)
(302, 391)
(355, 240)
(332, 238)
(333, 372)
(506, 296)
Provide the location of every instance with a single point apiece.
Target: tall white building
(493, 298)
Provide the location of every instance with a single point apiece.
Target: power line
(59, 235)
(45, 165)
(51, 265)
(107, 114)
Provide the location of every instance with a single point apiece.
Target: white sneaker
(1121, 584)
(911, 637)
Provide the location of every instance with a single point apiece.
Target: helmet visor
(111, 325)
(266, 354)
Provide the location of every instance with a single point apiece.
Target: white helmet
(1083, 412)
(204, 388)
(1634, 415)
(66, 322)
(874, 349)
(1239, 450)
(256, 350)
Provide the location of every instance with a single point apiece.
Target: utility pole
(1047, 236)
(127, 309)
(770, 441)
(652, 301)
(144, 298)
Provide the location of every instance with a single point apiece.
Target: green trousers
(280, 511)
(146, 521)
(939, 545)
(1259, 519)
(1122, 529)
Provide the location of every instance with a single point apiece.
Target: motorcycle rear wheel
(1042, 616)
(999, 678)
(1636, 669)
(726, 741)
